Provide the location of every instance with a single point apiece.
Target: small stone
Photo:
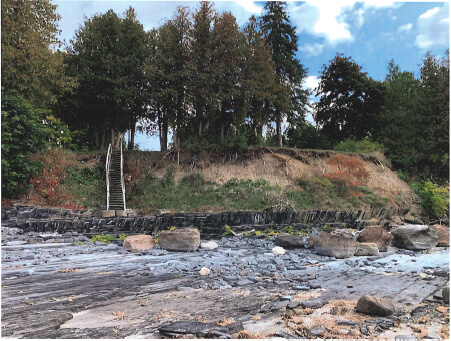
(211, 245)
(445, 295)
(286, 298)
(16, 242)
(405, 337)
(301, 287)
(204, 272)
(315, 303)
(244, 281)
(278, 250)
(317, 331)
(347, 323)
(293, 304)
(373, 305)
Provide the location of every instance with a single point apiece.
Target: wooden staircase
(115, 179)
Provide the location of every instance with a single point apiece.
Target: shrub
(22, 135)
(362, 146)
(434, 198)
(353, 165)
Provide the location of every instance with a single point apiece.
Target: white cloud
(249, 6)
(310, 82)
(405, 28)
(430, 13)
(312, 49)
(328, 18)
(433, 28)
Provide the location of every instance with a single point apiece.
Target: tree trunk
(103, 144)
(112, 137)
(97, 139)
(200, 128)
(131, 137)
(279, 131)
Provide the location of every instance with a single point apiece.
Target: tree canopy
(350, 101)
(30, 63)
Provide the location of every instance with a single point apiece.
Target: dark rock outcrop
(415, 237)
(335, 246)
(179, 240)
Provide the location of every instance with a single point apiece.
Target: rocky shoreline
(62, 285)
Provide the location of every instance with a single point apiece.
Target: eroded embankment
(329, 180)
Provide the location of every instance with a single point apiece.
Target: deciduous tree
(350, 101)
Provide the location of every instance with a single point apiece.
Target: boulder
(211, 245)
(442, 234)
(415, 237)
(335, 246)
(367, 249)
(187, 239)
(375, 306)
(278, 250)
(204, 271)
(138, 243)
(290, 241)
(445, 294)
(378, 235)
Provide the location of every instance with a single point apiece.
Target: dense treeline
(203, 80)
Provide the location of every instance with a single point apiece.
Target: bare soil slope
(279, 166)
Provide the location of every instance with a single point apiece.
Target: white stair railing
(122, 175)
(108, 161)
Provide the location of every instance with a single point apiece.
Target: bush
(22, 135)
(363, 146)
(434, 198)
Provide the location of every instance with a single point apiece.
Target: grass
(194, 194)
(74, 180)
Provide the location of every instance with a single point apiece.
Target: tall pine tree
(282, 40)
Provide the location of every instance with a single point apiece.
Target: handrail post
(122, 175)
(108, 160)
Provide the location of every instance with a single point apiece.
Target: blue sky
(372, 32)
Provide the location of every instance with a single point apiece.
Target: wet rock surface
(60, 285)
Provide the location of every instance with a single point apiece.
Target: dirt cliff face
(279, 166)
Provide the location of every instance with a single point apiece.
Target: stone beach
(61, 285)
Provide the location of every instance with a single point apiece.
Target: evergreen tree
(350, 101)
(434, 78)
(227, 64)
(282, 40)
(259, 79)
(30, 64)
(200, 67)
(107, 59)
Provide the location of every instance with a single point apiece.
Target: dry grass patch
(244, 334)
(224, 322)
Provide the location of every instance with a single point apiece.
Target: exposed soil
(279, 166)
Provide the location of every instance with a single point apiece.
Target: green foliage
(363, 146)
(106, 238)
(350, 101)
(415, 123)
(87, 185)
(78, 243)
(434, 198)
(107, 59)
(22, 135)
(282, 39)
(227, 231)
(29, 63)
